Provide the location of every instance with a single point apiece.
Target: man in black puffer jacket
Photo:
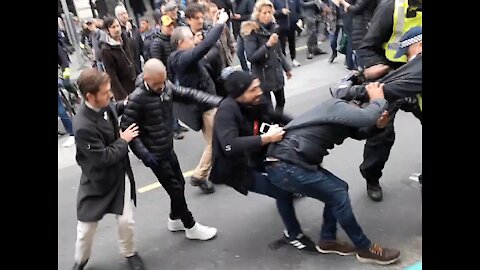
(160, 47)
(150, 105)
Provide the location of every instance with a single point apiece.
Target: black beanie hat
(238, 82)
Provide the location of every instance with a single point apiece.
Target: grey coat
(103, 157)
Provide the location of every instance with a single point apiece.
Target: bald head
(153, 65)
(155, 74)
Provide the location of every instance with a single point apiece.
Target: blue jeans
(326, 187)
(284, 200)
(241, 53)
(67, 123)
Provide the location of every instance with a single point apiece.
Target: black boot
(334, 55)
(374, 191)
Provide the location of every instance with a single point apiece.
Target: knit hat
(238, 82)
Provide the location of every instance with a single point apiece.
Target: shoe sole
(375, 199)
(202, 239)
(176, 230)
(309, 252)
(334, 252)
(367, 260)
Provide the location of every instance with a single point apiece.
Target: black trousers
(170, 175)
(279, 99)
(376, 153)
(283, 35)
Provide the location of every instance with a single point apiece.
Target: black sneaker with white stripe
(302, 243)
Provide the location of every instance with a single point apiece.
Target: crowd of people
(146, 76)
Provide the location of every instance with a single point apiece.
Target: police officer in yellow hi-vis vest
(410, 46)
(376, 53)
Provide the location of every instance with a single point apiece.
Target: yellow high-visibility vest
(401, 24)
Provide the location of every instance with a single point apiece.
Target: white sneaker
(175, 225)
(69, 142)
(200, 232)
(295, 63)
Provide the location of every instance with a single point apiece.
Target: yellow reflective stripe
(419, 98)
(398, 23)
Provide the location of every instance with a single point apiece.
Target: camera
(350, 88)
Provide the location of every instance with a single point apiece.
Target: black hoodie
(119, 64)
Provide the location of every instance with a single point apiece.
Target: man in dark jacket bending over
(295, 160)
(150, 105)
(239, 149)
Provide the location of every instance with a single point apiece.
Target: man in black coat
(151, 105)
(186, 70)
(295, 167)
(239, 150)
(117, 57)
(106, 184)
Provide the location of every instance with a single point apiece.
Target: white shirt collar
(91, 107)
